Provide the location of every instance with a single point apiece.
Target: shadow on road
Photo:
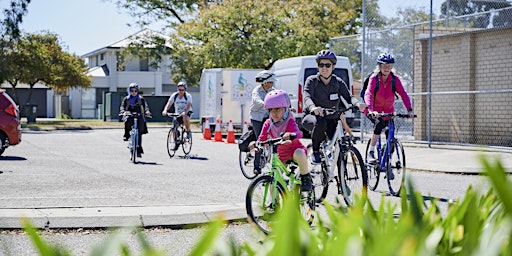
(147, 163)
(12, 158)
(192, 157)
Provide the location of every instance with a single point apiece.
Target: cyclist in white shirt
(182, 101)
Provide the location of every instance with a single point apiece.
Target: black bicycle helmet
(385, 58)
(326, 55)
(263, 75)
(182, 83)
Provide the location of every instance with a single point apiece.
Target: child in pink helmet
(282, 121)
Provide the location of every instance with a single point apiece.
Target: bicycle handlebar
(275, 141)
(330, 111)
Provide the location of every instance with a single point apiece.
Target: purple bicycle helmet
(277, 99)
(327, 55)
(385, 58)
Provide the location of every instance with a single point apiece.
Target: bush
(476, 225)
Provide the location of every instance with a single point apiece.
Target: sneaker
(257, 171)
(125, 138)
(371, 157)
(315, 157)
(176, 146)
(189, 135)
(139, 154)
(307, 182)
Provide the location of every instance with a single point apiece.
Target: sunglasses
(181, 90)
(327, 65)
(133, 90)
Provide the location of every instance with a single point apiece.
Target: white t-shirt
(180, 105)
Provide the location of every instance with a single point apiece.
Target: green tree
(254, 34)
(39, 58)
(451, 8)
(245, 33)
(9, 29)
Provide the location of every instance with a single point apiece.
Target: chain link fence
(456, 70)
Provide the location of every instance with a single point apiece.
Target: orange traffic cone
(218, 133)
(207, 134)
(245, 128)
(231, 133)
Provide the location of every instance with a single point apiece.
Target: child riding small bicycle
(282, 124)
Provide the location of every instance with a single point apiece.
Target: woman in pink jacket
(282, 123)
(382, 100)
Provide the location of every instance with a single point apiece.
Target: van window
(339, 72)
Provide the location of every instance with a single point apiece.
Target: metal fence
(456, 70)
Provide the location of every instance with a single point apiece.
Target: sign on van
(241, 89)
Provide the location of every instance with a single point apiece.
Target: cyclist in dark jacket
(324, 90)
(135, 103)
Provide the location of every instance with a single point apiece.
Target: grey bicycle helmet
(263, 75)
(326, 55)
(385, 58)
(182, 83)
(133, 85)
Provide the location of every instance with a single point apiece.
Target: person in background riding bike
(383, 100)
(258, 112)
(134, 102)
(324, 90)
(182, 101)
(282, 123)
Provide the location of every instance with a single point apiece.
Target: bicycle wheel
(319, 175)
(246, 161)
(352, 168)
(133, 145)
(171, 143)
(263, 202)
(186, 142)
(372, 171)
(307, 206)
(395, 168)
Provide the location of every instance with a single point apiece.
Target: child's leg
(299, 156)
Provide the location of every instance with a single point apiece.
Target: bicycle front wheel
(352, 168)
(171, 143)
(263, 202)
(372, 170)
(133, 146)
(395, 168)
(186, 141)
(246, 162)
(320, 179)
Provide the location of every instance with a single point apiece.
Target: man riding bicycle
(324, 90)
(182, 101)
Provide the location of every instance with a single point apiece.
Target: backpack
(172, 109)
(245, 140)
(377, 85)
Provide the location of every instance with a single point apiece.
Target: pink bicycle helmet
(277, 99)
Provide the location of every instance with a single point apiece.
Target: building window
(102, 56)
(144, 64)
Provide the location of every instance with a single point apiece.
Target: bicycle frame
(383, 155)
(280, 170)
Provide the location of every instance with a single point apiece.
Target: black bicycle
(178, 135)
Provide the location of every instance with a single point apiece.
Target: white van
(293, 72)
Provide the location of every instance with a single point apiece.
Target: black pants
(319, 126)
(141, 126)
(257, 126)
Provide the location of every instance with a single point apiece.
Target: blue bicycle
(133, 140)
(390, 160)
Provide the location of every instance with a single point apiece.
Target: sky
(87, 25)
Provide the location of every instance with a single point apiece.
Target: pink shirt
(285, 151)
(385, 98)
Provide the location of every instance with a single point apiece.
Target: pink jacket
(385, 98)
(285, 151)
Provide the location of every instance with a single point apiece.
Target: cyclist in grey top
(324, 90)
(258, 111)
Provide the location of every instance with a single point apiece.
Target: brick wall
(465, 62)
